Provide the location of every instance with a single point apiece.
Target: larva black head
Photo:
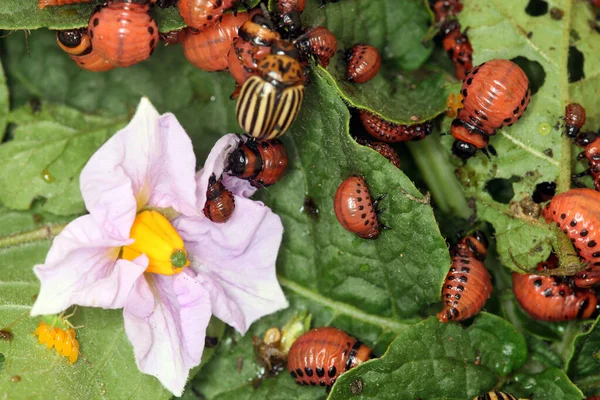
(481, 238)
(571, 131)
(585, 139)
(236, 162)
(291, 24)
(69, 38)
(283, 47)
(463, 150)
(261, 20)
(449, 27)
(543, 192)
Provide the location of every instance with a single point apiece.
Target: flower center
(156, 238)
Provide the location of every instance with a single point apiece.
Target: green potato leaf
(4, 105)
(583, 365)
(432, 360)
(549, 384)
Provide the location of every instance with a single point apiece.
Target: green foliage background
(53, 116)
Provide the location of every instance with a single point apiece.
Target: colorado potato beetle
(496, 93)
(390, 132)
(468, 284)
(576, 212)
(63, 340)
(553, 298)
(319, 42)
(220, 203)
(200, 14)
(207, 49)
(444, 9)
(51, 3)
(354, 209)
(262, 163)
(253, 43)
(269, 104)
(458, 48)
(591, 143)
(321, 355)
(77, 43)
(123, 32)
(574, 119)
(495, 396)
(364, 62)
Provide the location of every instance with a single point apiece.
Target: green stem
(44, 233)
(438, 173)
(387, 324)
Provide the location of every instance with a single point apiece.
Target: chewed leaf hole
(534, 71)
(536, 8)
(501, 189)
(575, 65)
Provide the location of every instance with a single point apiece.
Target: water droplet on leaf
(544, 128)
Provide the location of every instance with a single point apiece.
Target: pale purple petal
(165, 320)
(149, 162)
(82, 268)
(236, 261)
(215, 164)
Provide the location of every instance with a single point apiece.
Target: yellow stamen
(156, 238)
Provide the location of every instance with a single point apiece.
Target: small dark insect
(35, 104)
(15, 379)
(444, 9)
(7, 335)
(576, 212)
(553, 298)
(354, 209)
(310, 208)
(556, 13)
(468, 284)
(574, 119)
(390, 132)
(211, 342)
(201, 14)
(262, 163)
(123, 33)
(495, 396)
(321, 355)
(496, 93)
(458, 48)
(220, 203)
(364, 62)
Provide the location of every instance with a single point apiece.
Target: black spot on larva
(516, 111)
(507, 119)
(299, 372)
(448, 286)
(308, 371)
(464, 92)
(320, 372)
(152, 42)
(332, 371)
(96, 21)
(451, 278)
(465, 269)
(563, 216)
(596, 254)
(548, 293)
(457, 296)
(591, 244)
(537, 283)
(583, 233)
(293, 374)
(573, 223)
(460, 288)
(469, 81)
(463, 279)
(150, 30)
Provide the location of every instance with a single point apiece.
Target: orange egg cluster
(63, 341)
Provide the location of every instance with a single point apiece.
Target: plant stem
(44, 233)
(438, 173)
